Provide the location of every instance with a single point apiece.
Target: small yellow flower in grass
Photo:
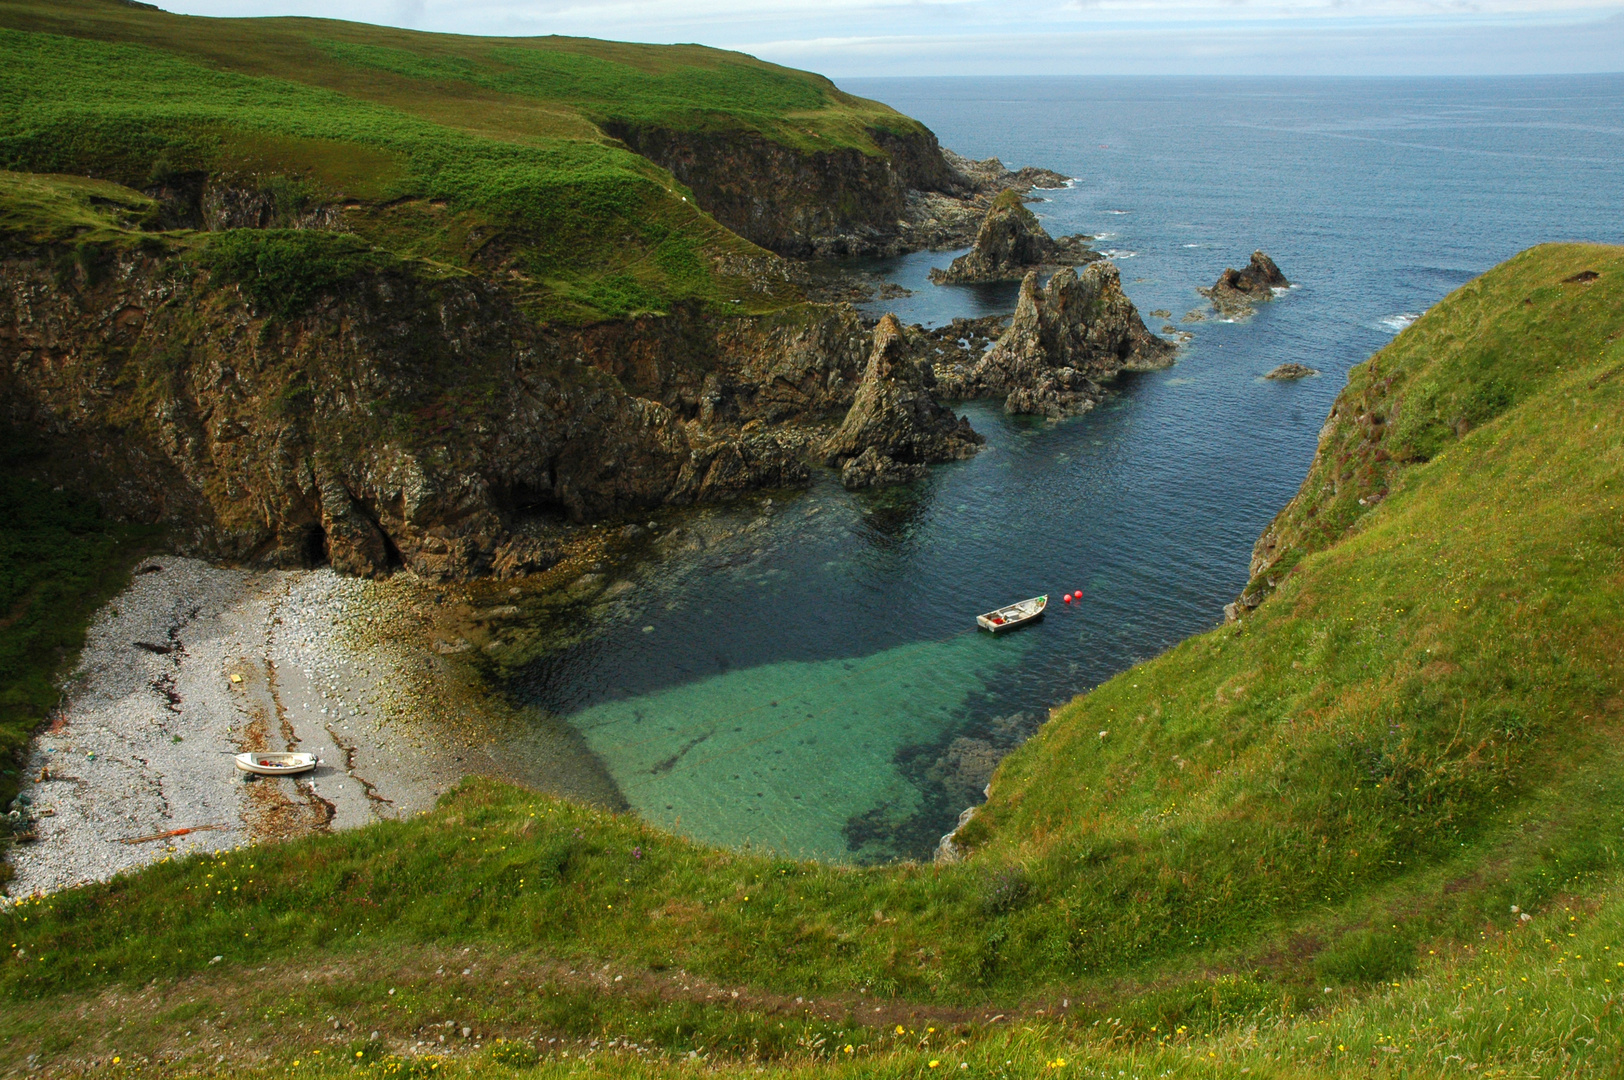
(1339, 1046)
(358, 1053)
(117, 1060)
(934, 1064)
(899, 1029)
(295, 1064)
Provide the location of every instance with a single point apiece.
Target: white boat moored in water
(1008, 618)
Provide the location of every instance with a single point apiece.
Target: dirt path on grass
(425, 1002)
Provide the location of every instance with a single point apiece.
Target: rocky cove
(405, 418)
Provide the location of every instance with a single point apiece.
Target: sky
(869, 38)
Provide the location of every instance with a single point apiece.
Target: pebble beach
(193, 664)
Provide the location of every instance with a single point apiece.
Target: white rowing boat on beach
(1014, 615)
(269, 764)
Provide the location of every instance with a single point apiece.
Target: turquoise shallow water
(854, 613)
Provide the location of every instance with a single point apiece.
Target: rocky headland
(1237, 292)
(1065, 340)
(1010, 242)
(913, 196)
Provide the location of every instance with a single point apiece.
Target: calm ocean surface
(804, 676)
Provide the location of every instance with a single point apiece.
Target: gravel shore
(192, 664)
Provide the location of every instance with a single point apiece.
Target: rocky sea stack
(1010, 242)
(1236, 291)
(895, 427)
(1065, 338)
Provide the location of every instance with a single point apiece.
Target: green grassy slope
(471, 151)
(1295, 849)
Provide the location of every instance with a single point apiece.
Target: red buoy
(1067, 598)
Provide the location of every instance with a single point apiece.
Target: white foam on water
(1119, 211)
(1398, 323)
(1114, 253)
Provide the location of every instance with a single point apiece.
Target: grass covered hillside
(481, 153)
(1373, 829)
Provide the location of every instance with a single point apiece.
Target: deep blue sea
(795, 676)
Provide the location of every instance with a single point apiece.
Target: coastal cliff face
(796, 202)
(1065, 339)
(399, 416)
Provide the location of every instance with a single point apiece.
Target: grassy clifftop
(1304, 844)
(477, 152)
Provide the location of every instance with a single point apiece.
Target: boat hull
(276, 764)
(1014, 616)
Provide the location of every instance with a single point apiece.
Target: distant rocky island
(1237, 292)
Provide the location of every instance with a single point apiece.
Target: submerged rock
(1291, 371)
(874, 469)
(1011, 241)
(895, 426)
(1065, 338)
(1236, 291)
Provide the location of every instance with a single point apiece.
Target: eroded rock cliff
(399, 415)
(840, 201)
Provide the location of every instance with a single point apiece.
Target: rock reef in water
(895, 426)
(1291, 371)
(1237, 291)
(1065, 339)
(1010, 242)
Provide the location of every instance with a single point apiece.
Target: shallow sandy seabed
(192, 664)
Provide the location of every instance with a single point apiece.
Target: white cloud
(886, 37)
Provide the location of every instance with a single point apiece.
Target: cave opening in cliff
(313, 547)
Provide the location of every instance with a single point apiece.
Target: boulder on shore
(1065, 338)
(1010, 242)
(1236, 291)
(895, 426)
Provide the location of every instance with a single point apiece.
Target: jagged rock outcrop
(1236, 291)
(895, 426)
(1065, 339)
(404, 417)
(990, 175)
(1010, 242)
(1291, 371)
